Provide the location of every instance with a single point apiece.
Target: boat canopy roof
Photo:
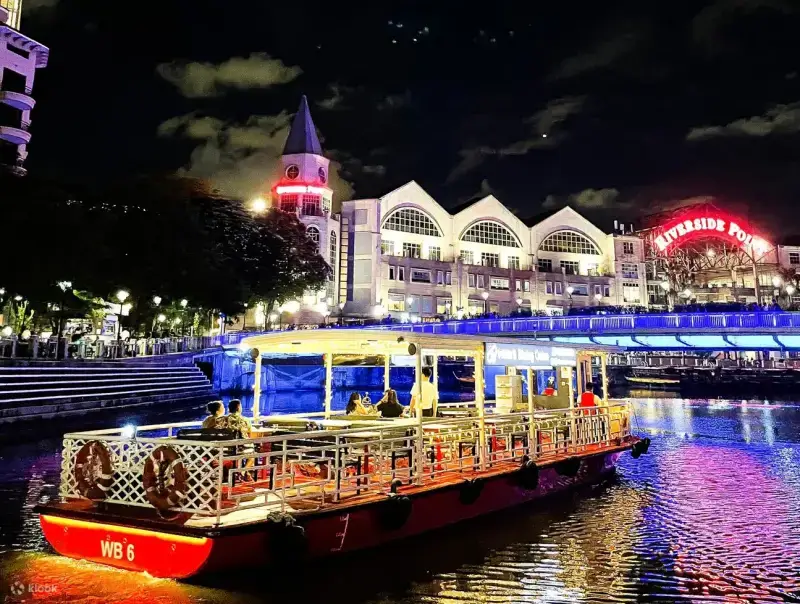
(372, 341)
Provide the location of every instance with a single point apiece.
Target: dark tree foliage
(168, 237)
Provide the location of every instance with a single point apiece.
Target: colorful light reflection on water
(712, 514)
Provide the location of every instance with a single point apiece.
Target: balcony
(18, 100)
(17, 135)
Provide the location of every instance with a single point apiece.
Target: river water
(712, 514)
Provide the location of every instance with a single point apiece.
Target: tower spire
(302, 135)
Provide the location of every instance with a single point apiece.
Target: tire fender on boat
(165, 478)
(569, 467)
(640, 448)
(528, 474)
(470, 490)
(94, 473)
(287, 541)
(394, 512)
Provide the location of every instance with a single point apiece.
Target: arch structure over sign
(703, 224)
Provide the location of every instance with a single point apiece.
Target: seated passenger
(389, 406)
(355, 406)
(235, 420)
(550, 390)
(215, 420)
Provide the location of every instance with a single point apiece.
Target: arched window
(313, 233)
(332, 253)
(570, 242)
(490, 232)
(411, 220)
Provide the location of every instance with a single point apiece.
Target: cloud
(780, 119)
(339, 95)
(588, 199)
(196, 80)
(30, 6)
(614, 44)
(240, 159)
(393, 102)
(544, 133)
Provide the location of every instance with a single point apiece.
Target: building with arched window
(405, 255)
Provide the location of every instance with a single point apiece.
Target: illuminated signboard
(529, 356)
(681, 231)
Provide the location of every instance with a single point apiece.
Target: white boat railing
(311, 469)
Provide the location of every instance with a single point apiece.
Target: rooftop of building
(302, 134)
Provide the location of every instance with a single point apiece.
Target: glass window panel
(569, 242)
(491, 233)
(411, 220)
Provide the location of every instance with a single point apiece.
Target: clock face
(292, 172)
(323, 177)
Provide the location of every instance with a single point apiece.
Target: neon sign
(301, 189)
(680, 231)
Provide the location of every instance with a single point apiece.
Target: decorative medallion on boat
(94, 473)
(164, 478)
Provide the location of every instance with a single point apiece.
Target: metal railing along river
(231, 481)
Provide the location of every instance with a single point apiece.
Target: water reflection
(712, 514)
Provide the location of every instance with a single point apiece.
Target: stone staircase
(45, 391)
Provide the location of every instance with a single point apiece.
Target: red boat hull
(164, 554)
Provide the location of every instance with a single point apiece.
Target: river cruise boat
(177, 500)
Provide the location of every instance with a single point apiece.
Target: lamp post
(156, 303)
(570, 290)
(485, 296)
(341, 313)
(63, 286)
(598, 297)
(258, 205)
(184, 303)
(122, 295)
(409, 302)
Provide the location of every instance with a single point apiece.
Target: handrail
(316, 468)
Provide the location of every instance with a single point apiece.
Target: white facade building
(20, 57)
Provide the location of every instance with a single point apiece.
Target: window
(471, 279)
(401, 273)
(526, 286)
(467, 257)
(311, 205)
(794, 257)
(289, 203)
(518, 285)
(513, 262)
(606, 291)
(570, 267)
(630, 271)
(592, 270)
(598, 290)
(491, 233)
(559, 288)
(313, 233)
(332, 254)
(492, 260)
(568, 242)
(545, 265)
(630, 293)
(481, 284)
(387, 248)
(548, 287)
(627, 248)
(443, 306)
(448, 278)
(419, 275)
(579, 289)
(656, 294)
(392, 272)
(411, 220)
(20, 51)
(499, 283)
(434, 253)
(412, 250)
(326, 205)
(397, 303)
(439, 277)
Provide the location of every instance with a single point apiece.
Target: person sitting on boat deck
(355, 406)
(235, 420)
(428, 397)
(389, 406)
(589, 398)
(550, 389)
(215, 419)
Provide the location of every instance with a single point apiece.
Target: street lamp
(570, 289)
(258, 205)
(777, 281)
(244, 317)
(18, 298)
(184, 303)
(485, 296)
(122, 295)
(63, 286)
(341, 313)
(598, 296)
(409, 302)
(790, 289)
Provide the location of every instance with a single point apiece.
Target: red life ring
(165, 478)
(94, 473)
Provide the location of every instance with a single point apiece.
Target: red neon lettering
(720, 225)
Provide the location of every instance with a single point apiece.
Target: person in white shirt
(427, 400)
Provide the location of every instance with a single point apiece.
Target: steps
(45, 392)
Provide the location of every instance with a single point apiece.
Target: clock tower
(303, 190)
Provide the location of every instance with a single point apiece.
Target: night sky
(619, 109)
